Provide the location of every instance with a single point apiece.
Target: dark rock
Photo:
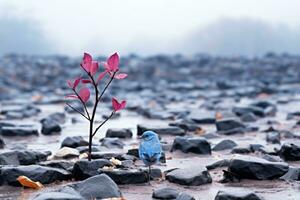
(2, 143)
(186, 125)
(189, 176)
(66, 153)
(218, 164)
(85, 149)
(44, 175)
(97, 187)
(249, 167)
(248, 117)
(223, 145)
(59, 195)
(290, 151)
(203, 117)
(292, 175)
(58, 117)
(229, 177)
(293, 115)
(84, 169)
(112, 143)
(22, 157)
(230, 126)
(245, 110)
(184, 196)
(119, 133)
(197, 145)
(167, 130)
(109, 155)
(269, 109)
(255, 147)
(74, 141)
(18, 131)
(236, 195)
(273, 137)
(165, 193)
(272, 158)
(133, 152)
(50, 126)
(241, 150)
(126, 176)
(60, 164)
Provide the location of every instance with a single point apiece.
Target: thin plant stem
(95, 132)
(77, 111)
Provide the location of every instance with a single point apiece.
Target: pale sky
(139, 26)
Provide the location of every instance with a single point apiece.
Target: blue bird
(150, 149)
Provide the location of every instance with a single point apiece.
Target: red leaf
(118, 106)
(84, 94)
(94, 67)
(86, 81)
(101, 76)
(121, 76)
(86, 62)
(70, 84)
(76, 82)
(113, 62)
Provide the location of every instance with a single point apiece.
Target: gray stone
(160, 130)
(237, 195)
(198, 145)
(74, 141)
(189, 176)
(165, 193)
(224, 144)
(119, 133)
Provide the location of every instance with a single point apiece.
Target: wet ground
(206, 84)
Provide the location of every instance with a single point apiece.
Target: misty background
(70, 27)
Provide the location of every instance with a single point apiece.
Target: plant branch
(84, 106)
(77, 111)
(109, 82)
(112, 113)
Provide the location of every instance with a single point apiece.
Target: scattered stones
(236, 195)
(126, 176)
(249, 167)
(218, 164)
(84, 169)
(198, 145)
(60, 164)
(58, 196)
(18, 131)
(119, 133)
(66, 152)
(248, 117)
(224, 144)
(97, 187)
(22, 157)
(273, 137)
(184, 196)
(230, 126)
(50, 126)
(74, 141)
(163, 130)
(241, 150)
(189, 176)
(165, 193)
(203, 118)
(112, 143)
(292, 175)
(2, 143)
(290, 151)
(45, 175)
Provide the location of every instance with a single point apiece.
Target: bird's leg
(149, 173)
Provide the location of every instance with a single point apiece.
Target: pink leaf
(121, 76)
(87, 58)
(76, 82)
(118, 106)
(84, 94)
(86, 62)
(113, 62)
(86, 81)
(94, 67)
(70, 84)
(101, 76)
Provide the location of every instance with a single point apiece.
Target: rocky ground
(229, 126)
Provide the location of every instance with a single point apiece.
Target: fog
(230, 27)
